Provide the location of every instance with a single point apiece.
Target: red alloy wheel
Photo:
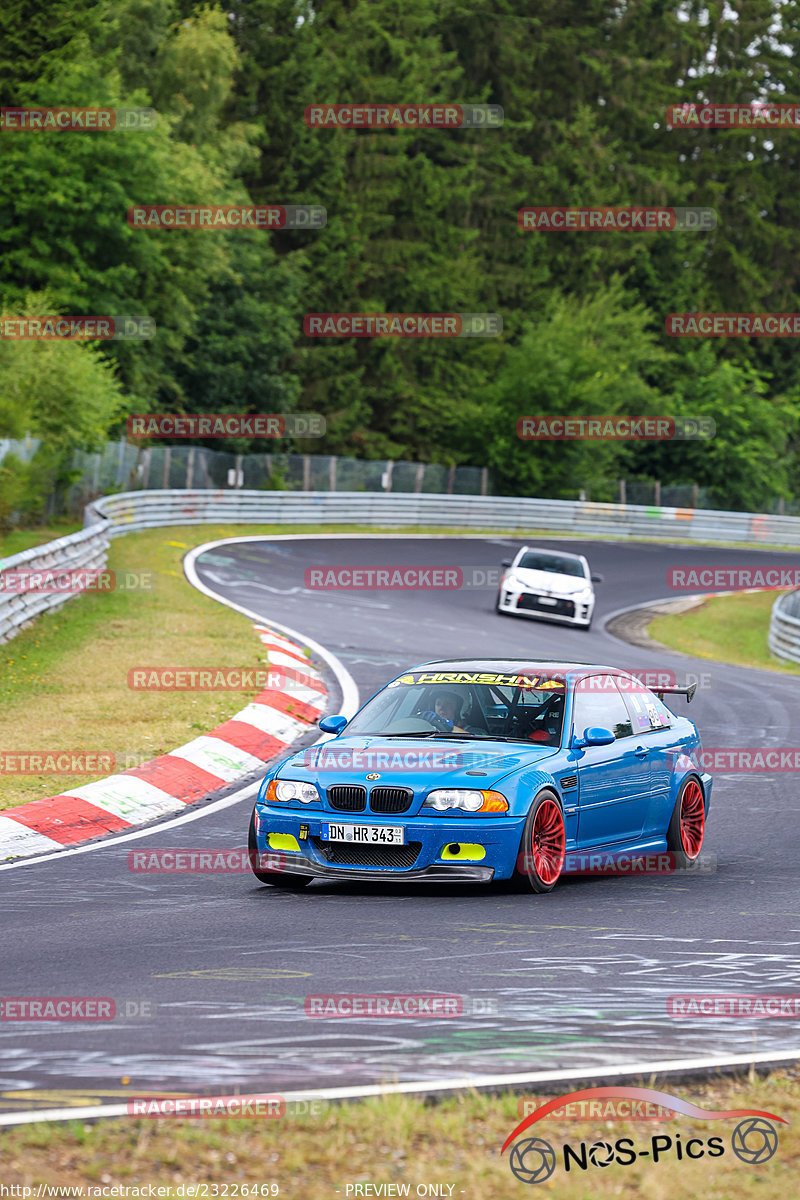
(693, 819)
(547, 842)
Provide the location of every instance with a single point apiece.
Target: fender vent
(569, 781)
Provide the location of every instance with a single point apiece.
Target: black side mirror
(507, 562)
(597, 578)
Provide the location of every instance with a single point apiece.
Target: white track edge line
(350, 699)
(350, 704)
(429, 1087)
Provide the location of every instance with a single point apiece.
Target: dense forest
(418, 220)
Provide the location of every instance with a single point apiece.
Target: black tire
(526, 874)
(279, 879)
(691, 837)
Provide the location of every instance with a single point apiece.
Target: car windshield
(556, 564)
(525, 708)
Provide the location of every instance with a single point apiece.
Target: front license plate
(546, 600)
(382, 835)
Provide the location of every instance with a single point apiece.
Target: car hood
(546, 581)
(411, 762)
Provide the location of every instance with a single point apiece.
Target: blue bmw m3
(489, 769)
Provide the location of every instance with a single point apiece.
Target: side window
(598, 703)
(646, 710)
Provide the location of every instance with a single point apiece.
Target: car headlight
(466, 800)
(286, 790)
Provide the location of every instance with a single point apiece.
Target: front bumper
(499, 838)
(567, 611)
(298, 864)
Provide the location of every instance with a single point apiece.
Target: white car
(549, 584)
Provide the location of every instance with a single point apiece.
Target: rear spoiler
(688, 692)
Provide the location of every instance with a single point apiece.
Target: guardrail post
(306, 473)
(332, 473)
(623, 492)
(167, 457)
(419, 477)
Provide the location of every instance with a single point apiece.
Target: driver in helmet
(445, 713)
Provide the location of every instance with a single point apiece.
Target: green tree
(581, 358)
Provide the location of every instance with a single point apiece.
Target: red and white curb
(265, 727)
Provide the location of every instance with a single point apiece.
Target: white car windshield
(555, 564)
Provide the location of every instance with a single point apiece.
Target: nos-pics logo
(533, 1159)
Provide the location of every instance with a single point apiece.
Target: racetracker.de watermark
(62, 119)
(612, 1109)
(216, 679)
(737, 325)
(403, 116)
(406, 578)
(391, 1005)
(403, 325)
(732, 579)
(621, 863)
(269, 1105)
(734, 116)
(56, 762)
(77, 329)
(557, 429)
(326, 757)
(203, 862)
(73, 1008)
(227, 216)
(750, 758)
(71, 581)
(733, 1004)
(616, 219)
(226, 425)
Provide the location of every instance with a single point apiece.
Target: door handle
(642, 751)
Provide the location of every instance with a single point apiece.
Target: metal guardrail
(784, 628)
(145, 510)
(129, 512)
(87, 550)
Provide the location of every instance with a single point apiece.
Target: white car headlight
(468, 801)
(296, 789)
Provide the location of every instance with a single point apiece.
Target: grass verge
(453, 1143)
(730, 629)
(25, 539)
(64, 681)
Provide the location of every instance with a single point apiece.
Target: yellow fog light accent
(465, 851)
(282, 841)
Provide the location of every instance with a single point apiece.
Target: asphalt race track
(574, 979)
